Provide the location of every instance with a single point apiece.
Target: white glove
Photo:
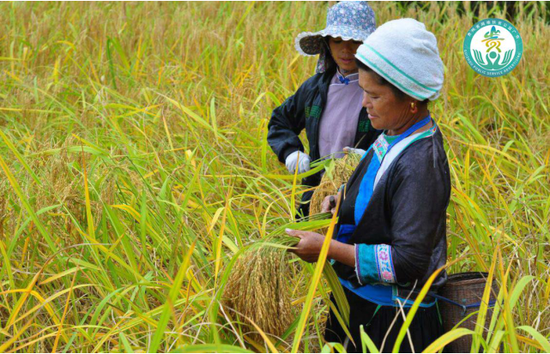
(351, 150)
(303, 163)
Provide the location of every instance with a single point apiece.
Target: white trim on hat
(323, 33)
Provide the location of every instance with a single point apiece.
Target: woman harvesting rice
(328, 105)
(391, 227)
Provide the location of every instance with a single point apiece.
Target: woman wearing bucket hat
(391, 231)
(328, 105)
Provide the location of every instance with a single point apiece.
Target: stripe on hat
(389, 78)
(399, 70)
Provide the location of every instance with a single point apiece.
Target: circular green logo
(493, 47)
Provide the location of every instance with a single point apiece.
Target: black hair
(381, 81)
(330, 62)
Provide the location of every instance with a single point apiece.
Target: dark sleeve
(286, 123)
(420, 194)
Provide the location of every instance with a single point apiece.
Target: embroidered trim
(313, 112)
(398, 149)
(363, 126)
(357, 268)
(380, 147)
(384, 263)
(365, 264)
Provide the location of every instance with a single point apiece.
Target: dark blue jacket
(407, 210)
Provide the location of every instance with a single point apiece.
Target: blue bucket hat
(349, 20)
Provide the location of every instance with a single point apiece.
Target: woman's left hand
(309, 246)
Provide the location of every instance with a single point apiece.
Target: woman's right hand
(298, 160)
(329, 204)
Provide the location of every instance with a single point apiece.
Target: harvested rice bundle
(337, 173)
(258, 286)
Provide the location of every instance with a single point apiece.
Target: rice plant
(134, 172)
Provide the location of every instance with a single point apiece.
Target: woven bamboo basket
(465, 289)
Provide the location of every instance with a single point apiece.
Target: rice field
(134, 171)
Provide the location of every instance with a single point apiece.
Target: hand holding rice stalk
(258, 287)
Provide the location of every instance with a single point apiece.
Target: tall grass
(134, 167)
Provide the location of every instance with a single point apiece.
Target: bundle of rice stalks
(258, 287)
(337, 172)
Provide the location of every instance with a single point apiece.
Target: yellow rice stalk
(337, 173)
(258, 287)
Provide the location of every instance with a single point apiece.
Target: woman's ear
(414, 107)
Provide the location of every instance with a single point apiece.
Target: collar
(346, 79)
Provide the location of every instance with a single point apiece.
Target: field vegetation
(134, 170)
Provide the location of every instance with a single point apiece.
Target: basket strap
(464, 307)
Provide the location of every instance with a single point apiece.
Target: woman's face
(343, 53)
(386, 111)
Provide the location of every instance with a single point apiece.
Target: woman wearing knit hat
(391, 231)
(328, 105)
